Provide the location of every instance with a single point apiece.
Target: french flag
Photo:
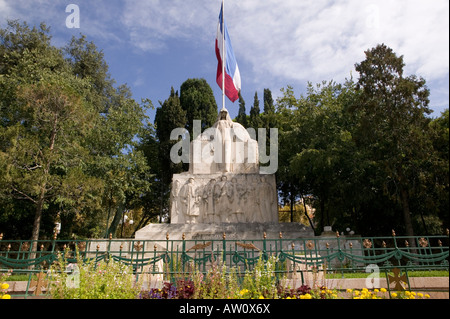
(232, 75)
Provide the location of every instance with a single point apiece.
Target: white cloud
(326, 40)
(302, 40)
(152, 23)
(4, 10)
(275, 41)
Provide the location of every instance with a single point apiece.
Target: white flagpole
(224, 54)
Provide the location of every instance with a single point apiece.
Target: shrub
(261, 281)
(107, 279)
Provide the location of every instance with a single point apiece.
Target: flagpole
(224, 54)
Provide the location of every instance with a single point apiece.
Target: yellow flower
(349, 290)
(243, 292)
(6, 296)
(376, 290)
(357, 292)
(329, 291)
(307, 296)
(427, 296)
(394, 295)
(323, 291)
(383, 290)
(408, 293)
(420, 295)
(261, 297)
(5, 286)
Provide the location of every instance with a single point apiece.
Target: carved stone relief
(223, 198)
(223, 184)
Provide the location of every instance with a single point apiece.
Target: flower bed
(109, 279)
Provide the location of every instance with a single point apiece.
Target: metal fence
(295, 257)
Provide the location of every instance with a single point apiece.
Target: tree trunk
(407, 217)
(38, 216)
(322, 211)
(306, 214)
(37, 222)
(41, 199)
(404, 198)
(424, 223)
(116, 220)
(292, 207)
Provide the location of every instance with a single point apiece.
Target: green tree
(44, 123)
(269, 107)
(255, 121)
(64, 131)
(169, 116)
(198, 102)
(288, 185)
(242, 116)
(393, 124)
(46, 155)
(155, 200)
(430, 198)
(120, 120)
(323, 159)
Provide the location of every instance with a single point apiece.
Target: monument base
(233, 231)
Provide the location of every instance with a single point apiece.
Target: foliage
(76, 148)
(261, 281)
(197, 99)
(242, 116)
(107, 279)
(392, 127)
(169, 116)
(366, 151)
(218, 283)
(67, 137)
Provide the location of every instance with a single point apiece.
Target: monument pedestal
(233, 231)
(224, 192)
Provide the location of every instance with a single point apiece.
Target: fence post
(224, 248)
(396, 246)
(264, 247)
(183, 253)
(109, 245)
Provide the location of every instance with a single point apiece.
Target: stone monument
(223, 191)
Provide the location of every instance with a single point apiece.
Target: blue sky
(152, 45)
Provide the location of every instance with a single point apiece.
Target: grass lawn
(420, 273)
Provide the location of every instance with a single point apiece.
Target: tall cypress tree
(242, 117)
(197, 100)
(392, 126)
(269, 107)
(168, 116)
(255, 116)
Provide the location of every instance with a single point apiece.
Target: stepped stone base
(238, 231)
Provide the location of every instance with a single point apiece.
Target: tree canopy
(76, 148)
